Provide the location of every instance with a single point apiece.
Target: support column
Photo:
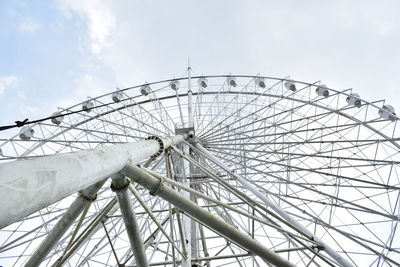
(193, 226)
(85, 197)
(156, 187)
(187, 221)
(248, 185)
(90, 230)
(120, 185)
(32, 184)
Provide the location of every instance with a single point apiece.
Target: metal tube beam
(155, 186)
(152, 216)
(90, 230)
(187, 222)
(208, 259)
(248, 185)
(190, 101)
(85, 197)
(204, 244)
(120, 185)
(32, 184)
(151, 238)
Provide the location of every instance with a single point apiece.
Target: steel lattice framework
(224, 170)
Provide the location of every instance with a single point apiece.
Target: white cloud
(7, 81)
(90, 86)
(28, 26)
(112, 38)
(339, 43)
(27, 109)
(100, 21)
(86, 86)
(98, 35)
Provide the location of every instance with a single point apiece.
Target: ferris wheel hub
(189, 131)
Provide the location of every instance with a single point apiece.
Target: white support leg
(33, 184)
(120, 185)
(85, 197)
(187, 221)
(157, 187)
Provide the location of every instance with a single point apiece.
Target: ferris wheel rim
(291, 97)
(394, 142)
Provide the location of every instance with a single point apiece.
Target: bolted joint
(118, 186)
(160, 142)
(89, 194)
(157, 190)
(87, 198)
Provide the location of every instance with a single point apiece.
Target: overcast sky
(56, 53)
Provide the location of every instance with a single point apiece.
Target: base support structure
(120, 185)
(156, 186)
(85, 197)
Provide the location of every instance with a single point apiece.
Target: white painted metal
(190, 100)
(203, 82)
(331, 162)
(26, 133)
(128, 214)
(387, 113)
(154, 184)
(260, 82)
(354, 100)
(174, 85)
(117, 97)
(64, 223)
(57, 120)
(145, 90)
(231, 81)
(322, 90)
(248, 185)
(290, 86)
(187, 221)
(88, 106)
(32, 184)
(109, 210)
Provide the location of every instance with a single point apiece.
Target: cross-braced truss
(275, 171)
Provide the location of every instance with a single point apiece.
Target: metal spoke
(282, 172)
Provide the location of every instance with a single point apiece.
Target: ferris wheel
(222, 170)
